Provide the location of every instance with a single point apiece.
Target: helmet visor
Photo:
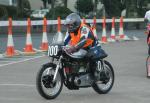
(68, 21)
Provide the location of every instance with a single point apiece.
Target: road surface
(17, 78)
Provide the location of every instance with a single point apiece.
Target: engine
(77, 75)
(75, 67)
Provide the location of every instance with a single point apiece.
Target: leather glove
(71, 50)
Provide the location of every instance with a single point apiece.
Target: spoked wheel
(148, 66)
(44, 82)
(105, 85)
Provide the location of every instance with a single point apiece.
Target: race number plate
(52, 50)
(99, 66)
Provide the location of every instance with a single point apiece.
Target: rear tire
(47, 89)
(103, 88)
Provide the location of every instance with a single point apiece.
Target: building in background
(4, 7)
(71, 4)
(39, 4)
(131, 8)
(8, 2)
(14, 8)
(36, 4)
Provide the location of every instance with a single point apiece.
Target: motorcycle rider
(79, 37)
(147, 20)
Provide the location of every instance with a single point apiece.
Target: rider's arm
(67, 38)
(85, 35)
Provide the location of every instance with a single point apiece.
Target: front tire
(44, 84)
(103, 88)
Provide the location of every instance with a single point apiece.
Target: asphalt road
(20, 39)
(17, 81)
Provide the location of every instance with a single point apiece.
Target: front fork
(57, 68)
(101, 71)
(100, 66)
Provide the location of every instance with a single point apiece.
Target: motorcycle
(74, 71)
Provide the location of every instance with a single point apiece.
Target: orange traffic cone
(121, 32)
(94, 28)
(84, 21)
(122, 36)
(10, 51)
(104, 38)
(58, 38)
(44, 45)
(59, 24)
(112, 36)
(29, 48)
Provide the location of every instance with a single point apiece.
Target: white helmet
(73, 22)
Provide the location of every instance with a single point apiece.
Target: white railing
(52, 22)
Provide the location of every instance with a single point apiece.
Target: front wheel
(44, 82)
(106, 85)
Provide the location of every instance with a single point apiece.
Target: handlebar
(64, 48)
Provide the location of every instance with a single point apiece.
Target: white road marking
(23, 85)
(20, 61)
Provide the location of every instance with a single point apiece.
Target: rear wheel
(104, 86)
(148, 67)
(44, 82)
